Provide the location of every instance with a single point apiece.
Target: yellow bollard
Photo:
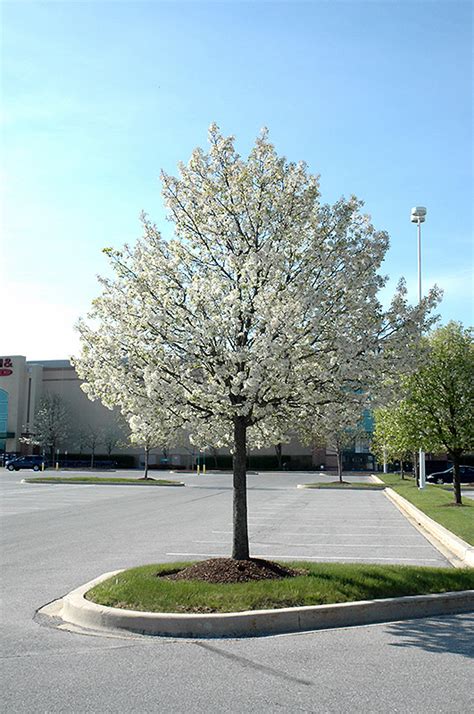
(57, 466)
(42, 466)
(197, 472)
(204, 469)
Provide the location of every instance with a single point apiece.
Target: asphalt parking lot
(54, 538)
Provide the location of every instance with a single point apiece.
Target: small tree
(146, 432)
(111, 438)
(90, 438)
(440, 395)
(51, 423)
(396, 434)
(338, 426)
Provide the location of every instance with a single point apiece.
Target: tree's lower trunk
(240, 547)
(92, 458)
(415, 466)
(278, 450)
(147, 454)
(402, 472)
(456, 482)
(339, 465)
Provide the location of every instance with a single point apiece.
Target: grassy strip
(102, 481)
(347, 485)
(437, 503)
(464, 487)
(324, 583)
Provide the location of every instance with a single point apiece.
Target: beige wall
(31, 380)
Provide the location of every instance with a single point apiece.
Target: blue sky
(99, 96)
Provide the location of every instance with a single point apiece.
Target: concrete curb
(76, 610)
(460, 552)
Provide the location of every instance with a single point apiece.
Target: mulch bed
(229, 570)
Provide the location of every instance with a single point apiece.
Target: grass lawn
(323, 583)
(102, 481)
(347, 485)
(436, 502)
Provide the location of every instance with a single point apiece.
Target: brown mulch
(229, 570)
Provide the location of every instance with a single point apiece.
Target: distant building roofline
(51, 363)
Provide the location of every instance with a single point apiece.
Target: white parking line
(345, 521)
(331, 533)
(322, 545)
(309, 557)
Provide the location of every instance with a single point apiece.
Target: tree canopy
(440, 394)
(435, 405)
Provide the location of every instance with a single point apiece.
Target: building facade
(23, 383)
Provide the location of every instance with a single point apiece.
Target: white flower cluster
(263, 307)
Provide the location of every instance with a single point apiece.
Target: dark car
(466, 475)
(25, 462)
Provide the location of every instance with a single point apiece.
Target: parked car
(25, 462)
(7, 457)
(466, 475)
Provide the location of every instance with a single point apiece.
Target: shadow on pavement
(453, 635)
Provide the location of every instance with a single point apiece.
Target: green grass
(436, 502)
(347, 485)
(102, 481)
(140, 588)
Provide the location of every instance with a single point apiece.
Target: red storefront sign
(6, 367)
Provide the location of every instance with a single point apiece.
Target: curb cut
(76, 610)
(459, 552)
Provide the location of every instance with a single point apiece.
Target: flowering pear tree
(262, 306)
(148, 430)
(51, 423)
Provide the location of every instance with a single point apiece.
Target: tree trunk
(456, 482)
(278, 450)
(92, 457)
(415, 466)
(147, 453)
(402, 473)
(240, 548)
(339, 464)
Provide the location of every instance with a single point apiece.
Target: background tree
(51, 423)
(112, 437)
(338, 426)
(146, 432)
(90, 439)
(440, 395)
(263, 304)
(396, 435)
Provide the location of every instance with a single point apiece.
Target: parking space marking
(295, 556)
(322, 545)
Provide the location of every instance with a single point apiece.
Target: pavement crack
(254, 665)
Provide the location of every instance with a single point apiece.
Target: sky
(98, 97)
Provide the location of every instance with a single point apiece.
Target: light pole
(418, 216)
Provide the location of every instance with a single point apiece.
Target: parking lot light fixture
(418, 216)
